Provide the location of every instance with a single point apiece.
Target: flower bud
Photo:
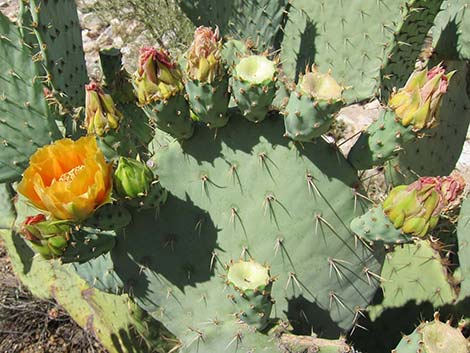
(204, 60)
(132, 178)
(101, 113)
(49, 238)
(416, 208)
(157, 77)
(418, 102)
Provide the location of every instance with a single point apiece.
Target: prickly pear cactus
(215, 224)
(437, 152)
(414, 272)
(369, 45)
(59, 48)
(434, 337)
(26, 121)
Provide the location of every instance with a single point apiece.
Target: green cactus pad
(222, 201)
(59, 41)
(252, 284)
(209, 101)
(417, 18)
(307, 118)
(171, 116)
(361, 41)
(380, 142)
(86, 244)
(109, 217)
(451, 31)
(258, 20)
(438, 151)
(463, 235)
(413, 272)
(434, 337)
(375, 226)
(26, 122)
(232, 51)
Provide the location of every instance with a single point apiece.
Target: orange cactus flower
(69, 179)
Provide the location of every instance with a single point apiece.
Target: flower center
(71, 174)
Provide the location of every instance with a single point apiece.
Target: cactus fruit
(207, 81)
(410, 210)
(311, 107)
(434, 337)
(160, 92)
(252, 284)
(101, 113)
(414, 109)
(253, 86)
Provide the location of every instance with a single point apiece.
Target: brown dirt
(30, 325)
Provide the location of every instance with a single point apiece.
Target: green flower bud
(132, 178)
(48, 238)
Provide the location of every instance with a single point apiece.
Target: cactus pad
(59, 48)
(26, 123)
(224, 211)
(414, 272)
(433, 337)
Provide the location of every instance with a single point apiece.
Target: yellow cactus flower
(69, 179)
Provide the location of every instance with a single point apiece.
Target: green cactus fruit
(207, 83)
(254, 86)
(381, 141)
(252, 283)
(101, 114)
(209, 101)
(47, 237)
(132, 178)
(376, 226)
(159, 86)
(154, 198)
(311, 107)
(434, 337)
